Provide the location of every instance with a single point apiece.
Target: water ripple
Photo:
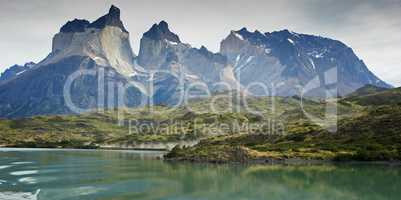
(19, 195)
(21, 163)
(21, 173)
(28, 180)
(5, 166)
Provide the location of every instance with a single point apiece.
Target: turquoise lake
(131, 175)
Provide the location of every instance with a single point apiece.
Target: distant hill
(375, 96)
(367, 90)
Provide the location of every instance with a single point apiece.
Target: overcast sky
(371, 27)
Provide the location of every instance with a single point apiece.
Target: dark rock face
(161, 31)
(154, 46)
(110, 19)
(76, 25)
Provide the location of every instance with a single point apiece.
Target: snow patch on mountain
(291, 41)
(238, 36)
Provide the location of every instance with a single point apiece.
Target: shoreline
(291, 161)
(144, 146)
(80, 149)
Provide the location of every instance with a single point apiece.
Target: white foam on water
(21, 163)
(19, 195)
(21, 173)
(28, 180)
(5, 166)
(86, 190)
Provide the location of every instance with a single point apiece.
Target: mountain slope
(98, 54)
(286, 59)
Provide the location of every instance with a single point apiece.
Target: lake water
(125, 175)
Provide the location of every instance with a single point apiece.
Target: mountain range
(284, 61)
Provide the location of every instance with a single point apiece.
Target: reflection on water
(105, 175)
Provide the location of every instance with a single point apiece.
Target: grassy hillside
(197, 120)
(251, 129)
(367, 90)
(89, 130)
(374, 135)
(376, 97)
(368, 130)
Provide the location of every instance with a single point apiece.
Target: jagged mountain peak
(161, 31)
(105, 41)
(284, 32)
(163, 26)
(76, 25)
(245, 31)
(305, 38)
(255, 36)
(114, 11)
(110, 19)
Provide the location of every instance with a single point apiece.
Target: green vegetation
(92, 130)
(368, 97)
(372, 136)
(259, 129)
(130, 127)
(368, 130)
